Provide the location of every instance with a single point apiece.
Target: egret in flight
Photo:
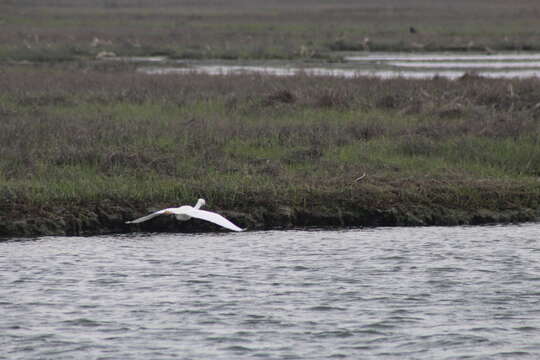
(187, 212)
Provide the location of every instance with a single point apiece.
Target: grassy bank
(51, 31)
(84, 150)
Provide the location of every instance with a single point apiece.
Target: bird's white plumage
(185, 212)
(214, 218)
(147, 217)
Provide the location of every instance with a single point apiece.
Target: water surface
(381, 65)
(388, 293)
(466, 65)
(443, 57)
(419, 73)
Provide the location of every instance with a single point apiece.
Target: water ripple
(389, 293)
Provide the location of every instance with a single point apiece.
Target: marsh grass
(247, 141)
(51, 31)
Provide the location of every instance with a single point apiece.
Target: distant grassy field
(85, 150)
(86, 145)
(63, 30)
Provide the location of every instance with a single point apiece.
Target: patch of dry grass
(69, 30)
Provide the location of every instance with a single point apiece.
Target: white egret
(187, 212)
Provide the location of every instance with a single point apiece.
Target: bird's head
(200, 203)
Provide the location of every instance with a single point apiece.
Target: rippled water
(381, 65)
(443, 57)
(422, 72)
(466, 64)
(388, 293)
(265, 70)
(343, 73)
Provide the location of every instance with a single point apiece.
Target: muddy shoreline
(109, 217)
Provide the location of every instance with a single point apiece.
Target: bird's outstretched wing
(147, 217)
(214, 218)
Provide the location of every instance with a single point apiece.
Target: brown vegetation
(46, 30)
(83, 150)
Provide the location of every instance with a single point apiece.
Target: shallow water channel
(382, 65)
(385, 293)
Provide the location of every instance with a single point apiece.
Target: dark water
(399, 293)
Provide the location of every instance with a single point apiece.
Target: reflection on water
(442, 57)
(466, 65)
(142, 59)
(344, 73)
(266, 70)
(387, 293)
(383, 65)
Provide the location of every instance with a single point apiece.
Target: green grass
(80, 137)
(89, 144)
(51, 31)
(261, 144)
